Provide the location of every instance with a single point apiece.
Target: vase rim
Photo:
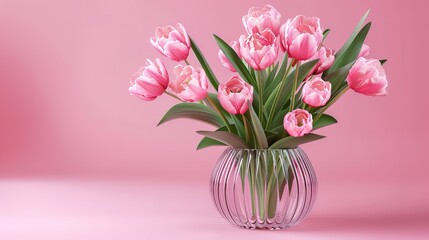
(264, 149)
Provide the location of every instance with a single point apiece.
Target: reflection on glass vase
(264, 189)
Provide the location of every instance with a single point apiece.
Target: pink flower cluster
(301, 38)
(190, 83)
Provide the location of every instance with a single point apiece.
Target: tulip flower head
(298, 122)
(172, 42)
(266, 17)
(150, 82)
(326, 59)
(316, 92)
(191, 83)
(235, 95)
(368, 77)
(260, 49)
(301, 37)
(224, 60)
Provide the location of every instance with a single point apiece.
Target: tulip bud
(298, 122)
(364, 51)
(316, 92)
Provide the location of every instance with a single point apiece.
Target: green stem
(304, 106)
(276, 98)
(323, 109)
(271, 187)
(186, 61)
(246, 129)
(173, 96)
(220, 113)
(269, 70)
(252, 184)
(261, 99)
(295, 81)
(260, 188)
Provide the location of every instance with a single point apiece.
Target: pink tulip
(224, 60)
(266, 17)
(364, 51)
(260, 49)
(301, 37)
(191, 84)
(150, 82)
(298, 122)
(368, 77)
(316, 92)
(326, 59)
(235, 95)
(172, 42)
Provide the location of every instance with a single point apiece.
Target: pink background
(81, 159)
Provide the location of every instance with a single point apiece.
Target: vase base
(261, 228)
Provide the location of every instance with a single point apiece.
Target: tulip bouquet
(284, 79)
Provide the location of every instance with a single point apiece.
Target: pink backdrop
(65, 113)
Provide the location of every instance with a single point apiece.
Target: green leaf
(323, 121)
(232, 119)
(279, 129)
(271, 76)
(277, 122)
(355, 32)
(269, 133)
(325, 34)
(271, 136)
(204, 65)
(292, 142)
(235, 61)
(351, 52)
(214, 99)
(258, 131)
(269, 89)
(225, 137)
(337, 78)
(193, 111)
(239, 127)
(208, 142)
(304, 71)
(383, 61)
(248, 132)
(252, 73)
(286, 93)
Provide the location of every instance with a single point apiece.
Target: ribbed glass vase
(264, 189)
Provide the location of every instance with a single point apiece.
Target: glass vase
(264, 189)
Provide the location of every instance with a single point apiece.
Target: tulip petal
(303, 47)
(176, 51)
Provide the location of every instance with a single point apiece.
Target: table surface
(149, 209)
